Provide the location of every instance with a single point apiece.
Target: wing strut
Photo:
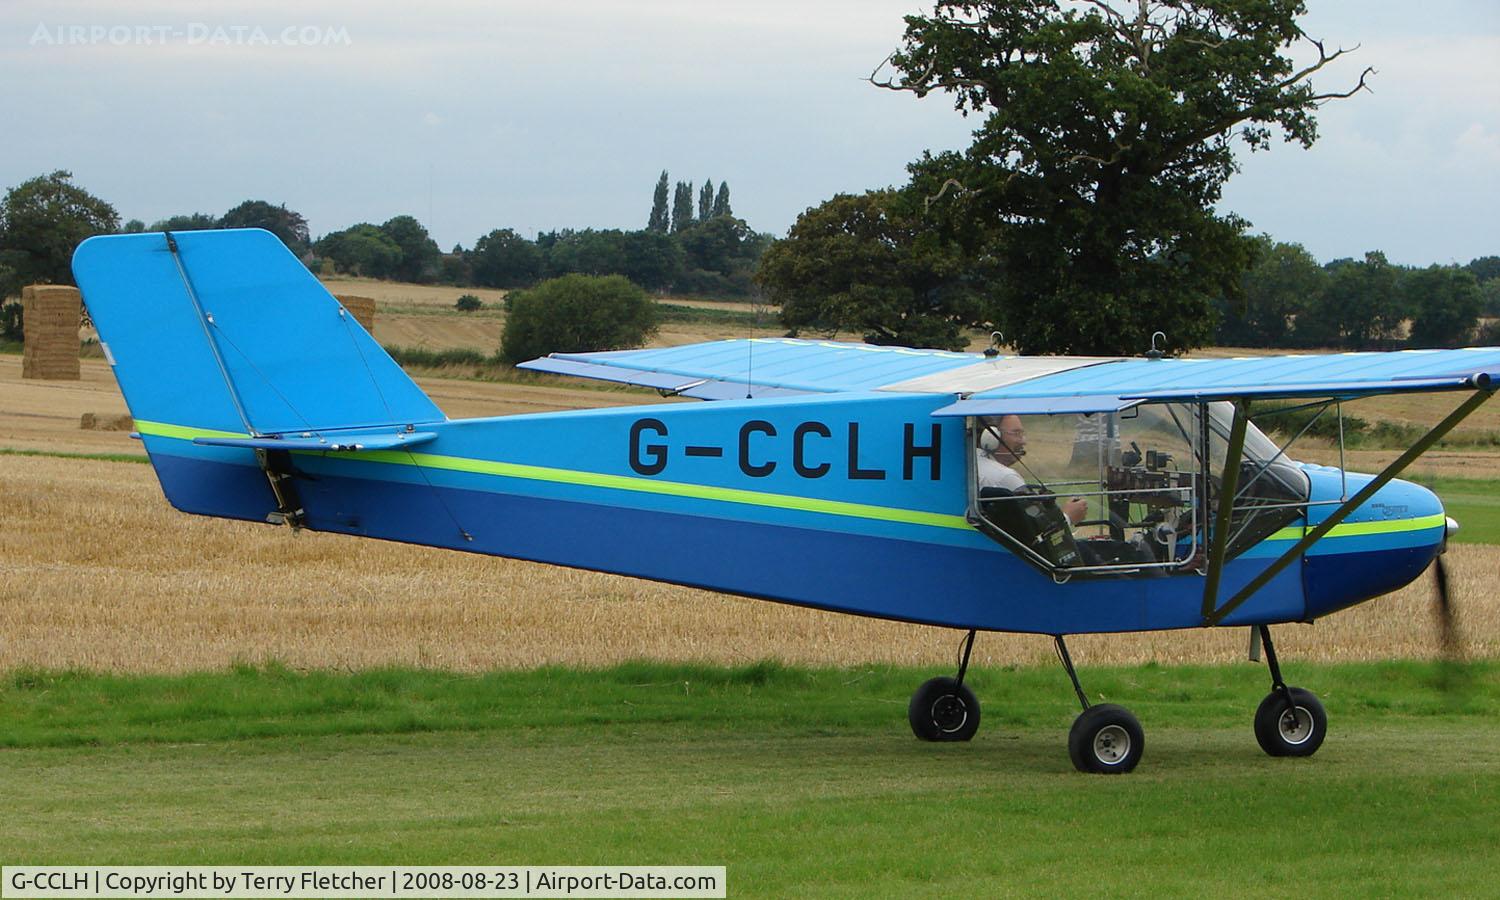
(1213, 616)
(1228, 486)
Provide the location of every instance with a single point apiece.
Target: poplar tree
(659, 217)
(721, 202)
(706, 201)
(682, 206)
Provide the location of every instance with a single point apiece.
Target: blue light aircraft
(980, 492)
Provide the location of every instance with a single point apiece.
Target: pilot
(1001, 445)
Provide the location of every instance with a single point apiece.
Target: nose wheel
(1290, 721)
(1106, 740)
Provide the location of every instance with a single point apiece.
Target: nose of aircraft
(1380, 547)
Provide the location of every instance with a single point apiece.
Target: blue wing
(987, 385)
(765, 367)
(758, 367)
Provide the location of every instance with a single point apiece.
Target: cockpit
(1128, 492)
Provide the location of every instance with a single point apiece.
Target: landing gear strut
(944, 708)
(1290, 721)
(1105, 738)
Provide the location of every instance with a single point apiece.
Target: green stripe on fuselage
(609, 482)
(1357, 529)
(730, 495)
(669, 488)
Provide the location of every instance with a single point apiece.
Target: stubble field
(421, 315)
(101, 574)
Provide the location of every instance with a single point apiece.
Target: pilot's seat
(1033, 521)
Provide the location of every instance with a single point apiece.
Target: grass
(801, 781)
(43, 708)
(468, 363)
(65, 454)
(424, 358)
(672, 312)
(1473, 502)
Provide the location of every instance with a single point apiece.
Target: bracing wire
(390, 415)
(260, 374)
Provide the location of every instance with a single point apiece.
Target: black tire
(1291, 732)
(1106, 740)
(943, 710)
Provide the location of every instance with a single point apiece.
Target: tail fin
(225, 335)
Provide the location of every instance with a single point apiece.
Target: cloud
(1476, 147)
(767, 94)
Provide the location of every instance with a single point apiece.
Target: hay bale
(50, 317)
(106, 422)
(362, 308)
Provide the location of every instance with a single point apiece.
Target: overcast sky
(538, 116)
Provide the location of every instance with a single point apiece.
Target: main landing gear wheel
(1295, 730)
(942, 709)
(1106, 740)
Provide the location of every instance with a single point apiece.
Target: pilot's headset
(989, 438)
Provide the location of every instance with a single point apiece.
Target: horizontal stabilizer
(345, 443)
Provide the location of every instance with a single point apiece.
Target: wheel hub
(1296, 725)
(949, 713)
(1111, 744)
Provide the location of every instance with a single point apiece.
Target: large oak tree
(869, 264)
(42, 221)
(1106, 138)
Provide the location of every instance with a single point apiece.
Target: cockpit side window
(1272, 491)
(1129, 492)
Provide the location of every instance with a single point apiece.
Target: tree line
(710, 253)
(705, 251)
(1289, 300)
(580, 289)
(869, 265)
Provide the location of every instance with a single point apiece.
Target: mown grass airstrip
(803, 782)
